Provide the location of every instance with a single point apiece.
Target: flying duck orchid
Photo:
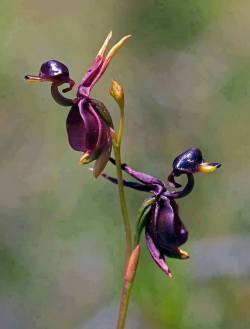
(88, 123)
(164, 230)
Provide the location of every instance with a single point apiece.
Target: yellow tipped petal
(105, 44)
(183, 254)
(33, 79)
(117, 92)
(85, 158)
(207, 168)
(117, 46)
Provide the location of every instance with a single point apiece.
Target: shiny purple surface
(54, 69)
(87, 132)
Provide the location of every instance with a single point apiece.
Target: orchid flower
(164, 230)
(88, 123)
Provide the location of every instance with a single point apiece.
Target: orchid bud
(117, 92)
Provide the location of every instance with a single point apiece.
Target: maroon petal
(156, 255)
(87, 132)
(171, 232)
(92, 129)
(84, 129)
(76, 130)
(87, 82)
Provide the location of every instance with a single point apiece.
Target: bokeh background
(186, 74)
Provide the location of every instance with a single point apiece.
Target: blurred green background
(186, 74)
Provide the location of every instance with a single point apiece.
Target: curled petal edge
(157, 257)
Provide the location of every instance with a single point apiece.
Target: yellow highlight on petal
(85, 158)
(206, 168)
(183, 254)
(33, 79)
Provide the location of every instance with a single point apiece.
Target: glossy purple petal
(156, 255)
(54, 69)
(87, 132)
(94, 129)
(75, 128)
(166, 230)
(171, 232)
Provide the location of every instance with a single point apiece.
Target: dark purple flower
(164, 230)
(88, 122)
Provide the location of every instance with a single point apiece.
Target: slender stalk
(127, 284)
(123, 203)
(121, 126)
(126, 291)
(128, 281)
(131, 259)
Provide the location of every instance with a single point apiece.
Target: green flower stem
(121, 125)
(130, 270)
(126, 291)
(127, 282)
(123, 203)
(132, 256)
(127, 285)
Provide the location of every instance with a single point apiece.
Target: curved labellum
(88, 133)
(171, 232)
(165, 232)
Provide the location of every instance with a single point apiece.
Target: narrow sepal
(133, 185)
